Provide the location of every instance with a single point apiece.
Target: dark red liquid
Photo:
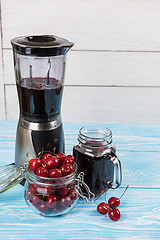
(98, 170)
(40, 100)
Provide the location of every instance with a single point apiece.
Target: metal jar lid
(10, 176)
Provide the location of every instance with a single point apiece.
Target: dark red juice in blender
(39, 101)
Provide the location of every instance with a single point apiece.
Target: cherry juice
(96, 165)
(39, 101)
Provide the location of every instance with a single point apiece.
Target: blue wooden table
(138, 147)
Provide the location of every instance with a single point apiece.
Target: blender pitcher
(39, 63)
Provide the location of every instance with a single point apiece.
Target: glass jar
(96, 157)
(54, 196)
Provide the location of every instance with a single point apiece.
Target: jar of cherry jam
(96, 157)
(51, 197)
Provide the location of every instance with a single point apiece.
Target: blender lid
(41, 45)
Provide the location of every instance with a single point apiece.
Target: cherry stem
(98, 197)
(95, 202)
(43, 165)
(54, 149)
(124, 191)
(106, 195)
(43, 151)
(27, 156)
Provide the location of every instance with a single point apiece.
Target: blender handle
(117, 178)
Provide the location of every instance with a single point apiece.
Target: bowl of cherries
(51, 184)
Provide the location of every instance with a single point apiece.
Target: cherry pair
(113, 213)
(111, 207)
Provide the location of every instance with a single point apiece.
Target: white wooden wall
(113, 70)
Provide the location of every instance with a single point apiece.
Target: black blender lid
(41, 45)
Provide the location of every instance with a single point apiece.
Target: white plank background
(112, 73)
(2, 100)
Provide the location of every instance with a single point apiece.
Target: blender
(39, 63)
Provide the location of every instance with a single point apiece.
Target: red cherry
(47, 190)
(114, 202)
(73, 194)
(72, 184)
(46, 156)
(103, 208)
(66, 169)
(63, 191)
(51, 163)
(69, 159)
(65, 201)
(33, 188)
(34, 164)
(41, 191)
(51, 201)
(35, 200)
(50, 190)
(43, 208)
(55, 173)
(61, 157)
(114, 214)
(57, 209)
(28, 194)
(42, 172)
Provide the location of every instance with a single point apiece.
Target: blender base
(33, 138)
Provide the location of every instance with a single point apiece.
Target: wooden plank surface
(94, 25)
(139, 211)
(137, 147)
